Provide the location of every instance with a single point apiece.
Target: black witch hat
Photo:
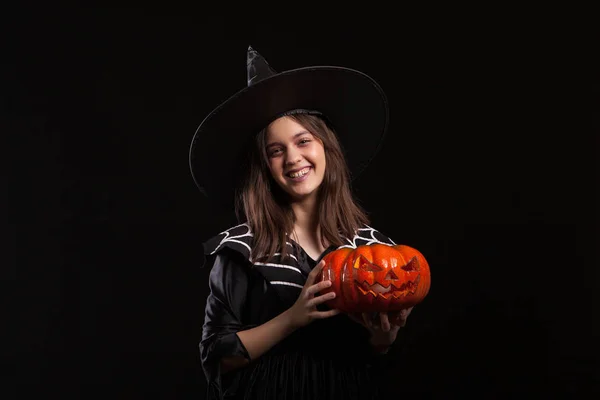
(352, 103)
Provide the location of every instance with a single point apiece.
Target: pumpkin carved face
(376, 278)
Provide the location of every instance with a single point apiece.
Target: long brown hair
(264, 206)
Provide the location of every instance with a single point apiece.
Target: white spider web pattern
(369, 238)
(234, 239)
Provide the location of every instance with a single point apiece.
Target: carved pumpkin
(376, 278)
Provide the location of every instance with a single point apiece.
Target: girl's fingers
(320, 299)
(317, 287)
(385, 322)
(324, 314)
(366, 320)
(314, 273)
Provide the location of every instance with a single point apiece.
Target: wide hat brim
(352, 102)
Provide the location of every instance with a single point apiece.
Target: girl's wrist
(381, 348)
(289, 321)
(383, 338)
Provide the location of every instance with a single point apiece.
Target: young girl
(267, 332)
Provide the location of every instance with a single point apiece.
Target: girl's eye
(274, 152)
(304, 141)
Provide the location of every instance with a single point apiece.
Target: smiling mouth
(298, 174)
(378, 290)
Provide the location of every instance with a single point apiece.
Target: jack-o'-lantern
(376, 278)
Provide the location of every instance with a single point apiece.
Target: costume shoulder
(366, 236)
(238, 238)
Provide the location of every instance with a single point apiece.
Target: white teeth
(300, 173)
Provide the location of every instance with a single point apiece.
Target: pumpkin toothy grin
(391, 290)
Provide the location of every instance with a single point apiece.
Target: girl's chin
(297, 196)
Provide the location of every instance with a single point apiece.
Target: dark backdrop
(485, 170)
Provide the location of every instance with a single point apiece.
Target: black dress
(327, 359)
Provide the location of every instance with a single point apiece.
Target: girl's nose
(292, 157)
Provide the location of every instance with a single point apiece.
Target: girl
(267, 333)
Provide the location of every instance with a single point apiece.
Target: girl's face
(295, 157)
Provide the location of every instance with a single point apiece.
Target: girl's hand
(304, 311)
(383, 326)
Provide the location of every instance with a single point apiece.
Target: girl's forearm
(260, 339)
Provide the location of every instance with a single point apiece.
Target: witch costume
(329, 358)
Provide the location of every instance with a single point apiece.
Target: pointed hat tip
(257, 67)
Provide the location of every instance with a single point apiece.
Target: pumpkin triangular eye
(367, 265)
(391, 276)
(412, 265)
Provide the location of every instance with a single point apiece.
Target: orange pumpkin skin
(376, 278)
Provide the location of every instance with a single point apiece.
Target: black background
(486, 169)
